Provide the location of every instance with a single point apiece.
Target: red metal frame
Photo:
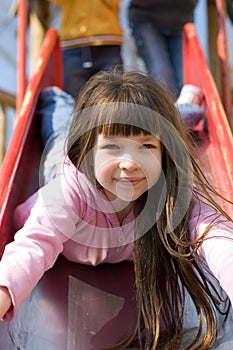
(220, 148)
(20, 157)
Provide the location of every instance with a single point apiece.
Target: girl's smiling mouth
(129, 180)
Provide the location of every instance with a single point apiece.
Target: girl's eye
(110, 146)
(147, 146)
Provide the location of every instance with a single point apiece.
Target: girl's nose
(128, 164)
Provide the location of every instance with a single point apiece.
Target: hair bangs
(120, 129)
(127, 119)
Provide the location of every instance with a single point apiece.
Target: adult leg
(152, 47)
(75, 73)
(106, 57)
(55, 108)
(175, 46)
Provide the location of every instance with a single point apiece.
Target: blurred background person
(157, 27)
(91, 39)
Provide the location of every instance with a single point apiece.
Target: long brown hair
(167, 266)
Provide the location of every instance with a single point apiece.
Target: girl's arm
(51, 217)
(217, 247)
(5, 301)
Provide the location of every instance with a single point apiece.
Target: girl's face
(126, 167)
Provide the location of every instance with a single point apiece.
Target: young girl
(129, 188)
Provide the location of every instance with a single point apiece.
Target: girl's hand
(5, 301)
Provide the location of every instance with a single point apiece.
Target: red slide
(217, 160)
(75, 306)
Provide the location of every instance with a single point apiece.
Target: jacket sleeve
(217, 248)
(38, 243)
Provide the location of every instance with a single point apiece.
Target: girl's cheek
(104, 171)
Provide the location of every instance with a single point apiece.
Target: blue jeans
(79, 64)
(54, 108)
(162, 53)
